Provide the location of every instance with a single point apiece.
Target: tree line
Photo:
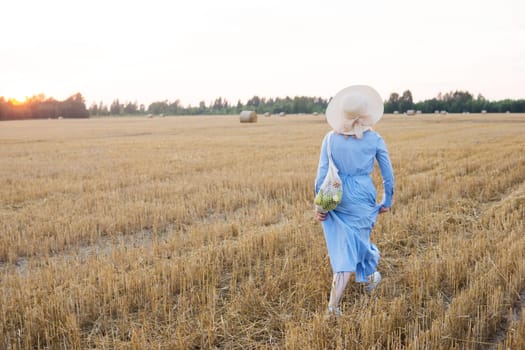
(298, 104)
(40, 107)
(452, 102)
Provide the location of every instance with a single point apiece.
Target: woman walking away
(353, 147)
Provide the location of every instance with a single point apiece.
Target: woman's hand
(320, 216)
(383, 210)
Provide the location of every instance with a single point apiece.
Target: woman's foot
(336, 312)
(372, 281)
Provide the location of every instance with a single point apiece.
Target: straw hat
(354, 110)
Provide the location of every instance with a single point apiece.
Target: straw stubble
(197, 232)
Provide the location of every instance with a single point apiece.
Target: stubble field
(197, 232)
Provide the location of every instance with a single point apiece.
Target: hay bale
(443, 112)
(266, 114)
(282, 114)
(248, 117)
(418, 112)
(436, 112)
(410, 112)
(315, 113)
(483, 111)
(396, 112)
(60, 117)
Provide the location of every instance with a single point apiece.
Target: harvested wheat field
(198, 233)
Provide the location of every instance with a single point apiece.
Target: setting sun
(17, 101)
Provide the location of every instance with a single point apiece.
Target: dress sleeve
(387, 173)
(322, 168)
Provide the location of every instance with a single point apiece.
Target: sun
(17, 101)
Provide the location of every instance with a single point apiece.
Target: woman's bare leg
(339, 283)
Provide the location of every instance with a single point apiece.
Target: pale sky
(195, 50)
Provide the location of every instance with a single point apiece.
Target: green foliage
(40, 107)
(453, 102)
(301, 104)
(393, 103)
(405, 101)
(328, 201)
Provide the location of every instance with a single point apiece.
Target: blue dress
(347, 228)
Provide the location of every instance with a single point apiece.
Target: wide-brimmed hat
(354, 110)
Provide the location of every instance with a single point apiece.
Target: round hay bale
(396, 112)
(266, 114)
(282, 114)
(315, 113)
(248, 117)
(483, 111)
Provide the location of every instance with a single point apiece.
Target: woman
(354, 147)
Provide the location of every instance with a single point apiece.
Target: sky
(199, 50)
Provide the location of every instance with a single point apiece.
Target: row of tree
(452, 102)
(40, 107)
(301, 104)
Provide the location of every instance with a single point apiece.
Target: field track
(197, 232)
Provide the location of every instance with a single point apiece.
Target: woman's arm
(322, 168)
(387, 173)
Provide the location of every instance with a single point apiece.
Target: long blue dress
(347, 228)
